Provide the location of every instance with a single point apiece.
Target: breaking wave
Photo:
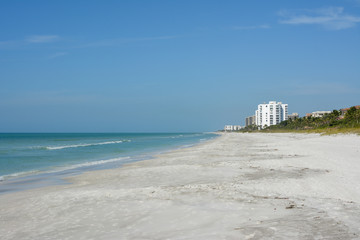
(83, 145)
(61, 168)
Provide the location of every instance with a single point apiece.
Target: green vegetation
(332, 123)
(250, 128)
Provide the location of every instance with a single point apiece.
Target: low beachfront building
(271, 113)
(293, 116)
(229, 128)
(344, 110)
(318, 114)
(237, 127)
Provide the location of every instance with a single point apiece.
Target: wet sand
(238, 186)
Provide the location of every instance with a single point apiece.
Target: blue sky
(172, 66)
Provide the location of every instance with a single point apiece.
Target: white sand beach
(238, 186)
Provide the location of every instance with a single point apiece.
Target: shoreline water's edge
(60, 175)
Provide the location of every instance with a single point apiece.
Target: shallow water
(32, 159)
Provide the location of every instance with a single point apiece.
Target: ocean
(30, 160)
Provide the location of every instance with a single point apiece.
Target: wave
(88, 164)
(60, 168)
(18, 174)
(82, 145)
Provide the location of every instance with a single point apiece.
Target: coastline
(57, 174)
(236, 186)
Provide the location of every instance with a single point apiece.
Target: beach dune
(237, 186)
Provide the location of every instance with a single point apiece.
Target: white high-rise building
(271, 113)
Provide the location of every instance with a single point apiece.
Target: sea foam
(61, 168)
(84, 145)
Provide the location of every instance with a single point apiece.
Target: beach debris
(290, 205)
(280, 197)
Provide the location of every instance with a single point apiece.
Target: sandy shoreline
(238, 186)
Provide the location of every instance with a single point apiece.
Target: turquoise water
(37, 153)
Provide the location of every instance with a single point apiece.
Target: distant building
(318, 114)
(293, 116)
(344, 110)
(271, 113)
(237, 127)
(250, 121)
(230, 128)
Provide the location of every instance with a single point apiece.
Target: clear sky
(172, 66)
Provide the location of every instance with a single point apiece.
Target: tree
(356, 116)
(336, 113)
(352, 116)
